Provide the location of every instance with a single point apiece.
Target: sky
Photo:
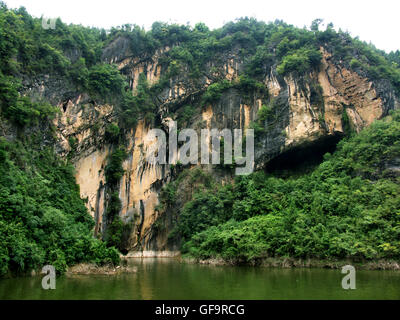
(372, 21)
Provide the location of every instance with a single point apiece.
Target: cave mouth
(124, 251)
(305, 158)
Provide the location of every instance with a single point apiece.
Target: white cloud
(370, 20)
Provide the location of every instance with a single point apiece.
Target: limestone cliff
(305, 112)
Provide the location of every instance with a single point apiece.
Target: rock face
(304, 112)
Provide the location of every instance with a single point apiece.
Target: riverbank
(151, 254)
(93, 269)
(287, 263)
(279, 263)
(383, 264)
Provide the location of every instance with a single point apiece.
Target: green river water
(167, 279)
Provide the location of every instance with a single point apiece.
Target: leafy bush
(354, 63)
(114, 170)
(300, 62)
(112, 133)
(207, 208)
(105, 81)
(264, 113)
(215, 90)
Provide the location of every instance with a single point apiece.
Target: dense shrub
(264, 113)
(300, 62)
(105, 81)
(112, 133)
(114, 170)
(215, 90)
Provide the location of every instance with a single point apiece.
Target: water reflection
(170, 279)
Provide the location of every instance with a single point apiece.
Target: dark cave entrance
(303, 159)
